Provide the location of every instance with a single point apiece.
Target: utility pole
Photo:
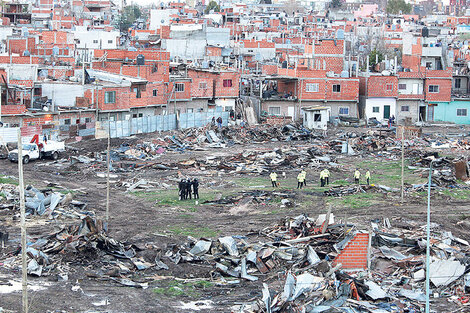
(24, 265)
(402, 161)
(107, 172)
(428, 235)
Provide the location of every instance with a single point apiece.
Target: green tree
(128, 16)
(398, 6)
(375, 56)
(336, 3)
(212, 6)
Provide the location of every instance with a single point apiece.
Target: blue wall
(447, 111)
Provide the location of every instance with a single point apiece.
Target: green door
(386, 111)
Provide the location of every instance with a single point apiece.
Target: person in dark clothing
(196, 188)
(181, 185)
(219, 122)
(232, 114)
(188, 188)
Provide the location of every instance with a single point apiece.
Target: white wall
(160, 17)
(379, 102)
(97, 39)
(224, 103)
(413, 86)
(62, 94)
(309, 120)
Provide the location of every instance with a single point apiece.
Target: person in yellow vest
(304, 173)
(326, 176)
(322, 178)
(300, 180)
(357, 175)
(273, 177)
(368, 177)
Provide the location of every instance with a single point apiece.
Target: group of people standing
(187, 188)
(357, 176)
(324, 178)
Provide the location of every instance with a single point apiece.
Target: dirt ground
(157, 218)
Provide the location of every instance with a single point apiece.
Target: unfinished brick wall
(356, 253)
(382, 86)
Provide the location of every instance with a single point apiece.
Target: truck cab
(30, 152)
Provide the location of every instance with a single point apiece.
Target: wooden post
(24, 267)
(107, 172)
(327, 221)
(402, 162)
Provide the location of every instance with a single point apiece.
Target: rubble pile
(46, 202)
(84, 245)
(314, 281)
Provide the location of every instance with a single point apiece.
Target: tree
(212, 6)
(398, 6)
(336, 3)
(128, 16)
(375, 57)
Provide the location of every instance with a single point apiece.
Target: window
(137, 92)
(95, 41)
(434, 88)
(203, 85)
(337, 88)
(429, 65)
(179, 87)
(189, 110)
(344, 111)
(317, 117)
(141, 114)
(457, 83)
(389, 87)
(461, 112)
(110, 97)
(78, 41)
(405, 108)
(67, 121)
(134, 115)
(402, 86)
(87, 119)
(275, 110)
(249, 50)
(155, 92)
(311, 87)
(110, 41)
(77, 121)
(375, 109)
(227, 83)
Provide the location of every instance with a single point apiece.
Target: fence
(150, 124)
(133, 126)
(188, 120)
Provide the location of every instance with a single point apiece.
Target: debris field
(244, 246)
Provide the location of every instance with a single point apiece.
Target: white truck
(38, 150)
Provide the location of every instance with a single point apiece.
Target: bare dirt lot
(155, 218)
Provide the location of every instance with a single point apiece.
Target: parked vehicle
(38, 150)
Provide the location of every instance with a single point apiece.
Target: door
(386, 111)
(290, 111)
(422, 114)
(430, 116)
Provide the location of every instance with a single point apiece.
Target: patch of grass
(459, 194)
(194, 231)
(340, 182)
(355, 201)
(174, 288)
(254, 181)
(388, 173)
(185, 216)
(170, 198)
(8, 180)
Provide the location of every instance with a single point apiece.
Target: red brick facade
(356, 253)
